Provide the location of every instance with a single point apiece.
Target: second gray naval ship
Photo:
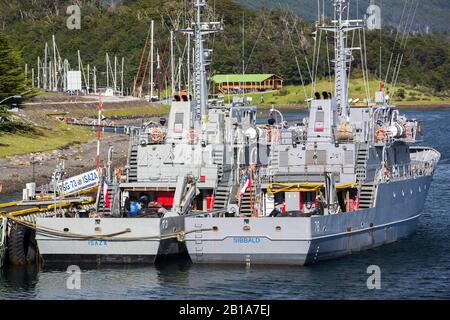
(345, 179)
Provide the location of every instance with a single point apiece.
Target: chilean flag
(246, 185)
(105, 193)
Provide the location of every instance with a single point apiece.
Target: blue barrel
(134, 208)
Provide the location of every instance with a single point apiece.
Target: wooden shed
(235, 83)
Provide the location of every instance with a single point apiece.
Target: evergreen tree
(12, 77)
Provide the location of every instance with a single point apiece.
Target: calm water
(415, 268)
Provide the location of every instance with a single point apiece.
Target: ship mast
(342, 55)
(200, 86)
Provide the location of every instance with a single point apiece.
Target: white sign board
(74, 80)
(84, 181)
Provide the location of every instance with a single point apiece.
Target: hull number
(245, 240)
(97, 243)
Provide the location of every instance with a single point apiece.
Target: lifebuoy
(380, 134)
(191, 135)
(156, 135)
(408, 132)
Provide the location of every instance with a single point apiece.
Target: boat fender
(22, 247)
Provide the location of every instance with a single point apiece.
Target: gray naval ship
(345, 179)
(212, 183)
(173, 170)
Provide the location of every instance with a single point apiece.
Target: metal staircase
(361, 162)
(367, 195)
(245, 206)
(222, 195)
(132, 175)
(275, 160)
(218, 157)
(101, 206)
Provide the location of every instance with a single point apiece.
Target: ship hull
(144, 244)
(307, 240)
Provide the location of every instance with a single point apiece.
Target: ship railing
(309, 173)
(134, 135)
(403, 172)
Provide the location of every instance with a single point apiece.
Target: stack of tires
(22, 248)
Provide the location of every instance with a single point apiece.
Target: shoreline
(19, 168)
(78, 159)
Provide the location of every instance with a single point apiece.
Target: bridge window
(179, 121)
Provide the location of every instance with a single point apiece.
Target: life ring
(192, 135)
(408, 132)
(380, 134)
(156, 135)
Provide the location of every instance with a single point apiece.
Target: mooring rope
(179, 235)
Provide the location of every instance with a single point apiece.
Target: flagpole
(100, 109)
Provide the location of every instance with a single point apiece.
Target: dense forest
(268, 41)
(432, 15)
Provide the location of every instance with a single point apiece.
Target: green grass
(137, 111)
(295, 95)
(154, 110)
(57, 135)
(45, 139)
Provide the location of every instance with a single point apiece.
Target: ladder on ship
(224, 174)
(367, 195)
(218, 159)
(247, 200)
(223, 190)
(132, 174)
(361, 162)
(101, 205)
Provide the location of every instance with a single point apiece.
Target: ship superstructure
(174, 168)
(211, 182)
(345, 179)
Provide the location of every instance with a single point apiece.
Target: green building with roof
(226, 83)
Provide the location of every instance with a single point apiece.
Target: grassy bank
(291, 95)
(49, 134)
(58, 136)
(147, 111)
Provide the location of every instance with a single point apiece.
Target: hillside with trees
(432, 15)
(268, 41)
